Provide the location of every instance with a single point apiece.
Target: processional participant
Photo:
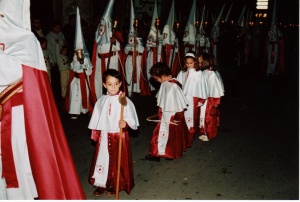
(79, 97)
(170, 49)
(154, 45)
(107, 51)
(36, 162)
(135, 60)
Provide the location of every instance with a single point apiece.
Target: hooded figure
(153, 44)
(275, 47)
(215, 34)
(189, 37)
(201, 39)
(79, 98)
(36, 161)
(240, 39)
(104, 50)
(170, 44)
(135, 60)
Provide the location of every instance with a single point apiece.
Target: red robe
(50, 158)
(212, 117)
(126, 182)
(176, 141)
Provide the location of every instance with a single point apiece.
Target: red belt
(103, 56)
(9, 98)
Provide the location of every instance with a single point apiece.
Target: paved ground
(254, 157)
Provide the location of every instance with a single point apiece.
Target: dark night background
(288, 11)
(256, 153)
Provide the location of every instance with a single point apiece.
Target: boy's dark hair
(159, 69)
(111, 72)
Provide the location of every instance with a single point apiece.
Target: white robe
(171, 99)
(103, 49)
(75, 90)
(215, 90)
(105, 117)
(194, 84)
(129, 69)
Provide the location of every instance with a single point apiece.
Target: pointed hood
(151, 40)
(132, 32)
(79, 39)
(168, 32)
(132, 20)
(274, 14)
(201, 29)
(104, 30)
(215, 29)
(15, 33)
(273, 30)
(17, 13)
(217, 21)
(190, 30)
(228, 13)
(241, 19)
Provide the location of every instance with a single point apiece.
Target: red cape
(51, 161)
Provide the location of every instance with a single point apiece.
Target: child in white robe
(194, 86)
(169, 136)
(105, 124)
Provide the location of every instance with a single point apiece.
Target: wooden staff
(197, 25)
(111, 44)
(175, 45)
(157, 42)
(150, 118)
(123, 102)
(135, 25)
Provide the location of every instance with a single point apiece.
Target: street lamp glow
(262, 7)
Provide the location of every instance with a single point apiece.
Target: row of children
(188, 105)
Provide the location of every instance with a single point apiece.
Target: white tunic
(75, 90)
(171, 99)
(105, 117)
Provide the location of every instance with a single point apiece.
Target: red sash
(9, 98)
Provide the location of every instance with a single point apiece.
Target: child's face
(190, 63)
(112, 85)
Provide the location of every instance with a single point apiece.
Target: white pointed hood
(273, 29)
(201, 28)
(79, 38)
(151, 40)
(104, 30)
(215, 29)
(190, 30)
(132, 31)
(228, 13)
(241, 19)
(16, 38)
(168, 32)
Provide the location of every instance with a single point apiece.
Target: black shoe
(169, 159)
(152, 158)
(99, 191)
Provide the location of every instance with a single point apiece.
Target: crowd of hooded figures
(98, 75)
(184, 64)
